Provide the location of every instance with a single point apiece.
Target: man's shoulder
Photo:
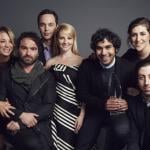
(88, 61)
(123, 62)
(129, 53)
(134, 100)
(45, 76)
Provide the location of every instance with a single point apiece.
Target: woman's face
(6, 46)
(140, 38)
(65, 41)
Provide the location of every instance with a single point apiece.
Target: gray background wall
(86, 16)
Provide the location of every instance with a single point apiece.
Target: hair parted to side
(137, 22)
(9, 32)
(103, 33)
(47, 11)
(71, 32)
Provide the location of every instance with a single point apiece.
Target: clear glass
(115, 91)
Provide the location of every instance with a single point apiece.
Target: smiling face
(105, 52)
(144, 80)
(47, 26)
(28, 51)
(65, 41)
(140, 38)
(6, 45)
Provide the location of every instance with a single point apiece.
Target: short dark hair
(47, 11)
(33, 36)
(102, 34)
(143, 63)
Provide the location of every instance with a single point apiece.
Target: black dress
(66, 107)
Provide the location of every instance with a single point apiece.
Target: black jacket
(91, 88)
(139, 115)
(39, 100)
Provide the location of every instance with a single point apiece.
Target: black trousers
(28, 139)
(117, 134)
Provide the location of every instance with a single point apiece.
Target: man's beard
(27, 62)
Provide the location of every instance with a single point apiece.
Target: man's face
(144, 80)
(47, 26)
(105, 52)
(28, 51)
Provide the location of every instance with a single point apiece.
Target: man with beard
(32, 92)
(139, 109)
(47, 22)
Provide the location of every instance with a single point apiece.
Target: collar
(46, 47)
(108, 66)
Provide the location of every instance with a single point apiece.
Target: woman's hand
(79, 120)
(6, 109)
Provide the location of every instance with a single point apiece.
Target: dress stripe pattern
(66, 107)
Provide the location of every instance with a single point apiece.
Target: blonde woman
(6, 49)
(68, 113)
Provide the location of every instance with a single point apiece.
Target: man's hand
(116, 104)
(13, 126)
(6, 109)
(29, 119)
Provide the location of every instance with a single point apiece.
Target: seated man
(32, 92)
(139, 110)
(103, 80)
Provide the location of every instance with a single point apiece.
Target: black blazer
(137, 114)
(90, 82)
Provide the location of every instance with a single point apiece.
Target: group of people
(53, 99)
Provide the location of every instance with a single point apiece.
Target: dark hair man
(103, 80)
(47, 22)
(139, 109)
(32, 92)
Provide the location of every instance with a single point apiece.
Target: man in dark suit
(139, 109)
(47, 22)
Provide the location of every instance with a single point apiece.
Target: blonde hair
(10, 33)
(71, 31)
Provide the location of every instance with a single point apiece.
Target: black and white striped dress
(66, 108)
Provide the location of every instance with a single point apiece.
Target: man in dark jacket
(47, 22)
(139, 109)
(32, 92)
(103, 80)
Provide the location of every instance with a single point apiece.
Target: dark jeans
(116, 135)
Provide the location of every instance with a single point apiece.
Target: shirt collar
(110, 65)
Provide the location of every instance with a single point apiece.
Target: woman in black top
(139, 40)
(6, 49)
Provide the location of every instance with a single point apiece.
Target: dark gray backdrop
(85, 15)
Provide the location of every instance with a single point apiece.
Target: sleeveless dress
(66, 108)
